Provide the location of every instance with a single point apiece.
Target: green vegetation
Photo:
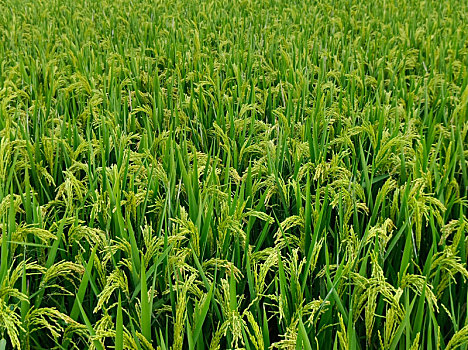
(247, 174)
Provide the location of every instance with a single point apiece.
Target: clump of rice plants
(251, 175)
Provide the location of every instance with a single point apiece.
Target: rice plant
(264, 174)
